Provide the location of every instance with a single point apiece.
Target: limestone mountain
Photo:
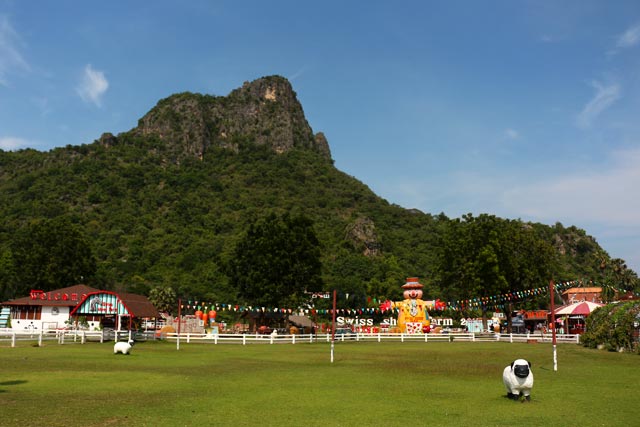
(165, 203)
(265, 112)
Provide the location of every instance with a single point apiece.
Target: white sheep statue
(518, 379)
(122, 347)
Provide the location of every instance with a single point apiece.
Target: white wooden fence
(81, 337)
(62, 336)
(245, 339)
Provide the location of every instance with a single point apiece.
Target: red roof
(582, 290)
(65, 297)
(136, 305)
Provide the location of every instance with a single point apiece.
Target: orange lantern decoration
(212, 315)
(205, 318)
(199, 314)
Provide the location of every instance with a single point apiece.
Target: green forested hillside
(166, 203)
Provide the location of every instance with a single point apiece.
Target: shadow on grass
(15, 382)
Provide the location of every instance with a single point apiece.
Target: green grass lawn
(369, 384)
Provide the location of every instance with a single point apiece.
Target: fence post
(83, 338)
(293, 339)
(13, 339)
(244, 339)
(402, 337)
(40, 338)
(511, 338)
(188, 337)
(378, 336)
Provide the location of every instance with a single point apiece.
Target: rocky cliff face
(265, 111)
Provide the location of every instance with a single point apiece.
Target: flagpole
(553, 326)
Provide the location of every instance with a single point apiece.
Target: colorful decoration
(498, 302)
(413, 317)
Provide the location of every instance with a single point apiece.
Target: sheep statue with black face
(518, 379)
(123, 347)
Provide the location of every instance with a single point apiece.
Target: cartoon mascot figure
(413, 317)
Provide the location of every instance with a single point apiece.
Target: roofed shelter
(116, 309)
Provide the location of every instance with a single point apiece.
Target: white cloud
(604, 98)
(11, 59)
(599, 199)
(604, 196)
(511, 134)
(93, 86)
(629, 38)
(10, 143)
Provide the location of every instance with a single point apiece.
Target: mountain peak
(265, 111)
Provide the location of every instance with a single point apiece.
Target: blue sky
(523, 109)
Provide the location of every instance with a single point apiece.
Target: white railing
(244, 339)
(80, 336)
(62, 336)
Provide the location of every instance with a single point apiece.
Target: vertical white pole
(179, 323)
(333, 324)
(553, 326)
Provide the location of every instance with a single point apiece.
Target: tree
(51, 254)
(472, 257)
(276, 261)
(163, 298)
(616, 277)
(486, 255)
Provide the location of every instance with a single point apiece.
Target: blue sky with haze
(523, 109)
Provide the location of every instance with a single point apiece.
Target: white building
(62, 308)
(47, 310)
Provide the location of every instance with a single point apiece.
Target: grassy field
(386, 384)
